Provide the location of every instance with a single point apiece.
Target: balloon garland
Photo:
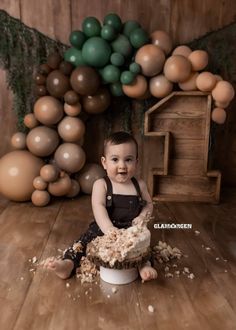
(106, 60)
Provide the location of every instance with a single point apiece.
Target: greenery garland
(22, 50)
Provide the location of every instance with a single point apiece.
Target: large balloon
(57, 83)
(42, 141)
(88, 175)
(163, 40)
(71, 129)
(97, 103)
(85, 80)
(48, 110)
(177, 68)
(151, 59)
(96, 52)
(206, 81)
(17, 172)
(70, 157)
(160, 86)
(198, 59)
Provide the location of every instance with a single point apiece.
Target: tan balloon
(137, 89)
(222, 104)
(223, 92)
(198, 59)
(163, 40)
(30, 120)
(48, 110)
(39, 183)
(49, 173)
(40, 198)
(72, 110)
(42, 141)
(206, 81)
(18, 140)
(151, 59)
(190, 83)
(17, 172)
(70, 157)
(71, 129)
(218, 115)
(74, 190)
(160, 86)
(182, 50)
(60, 187)
(88, 175)
(177, 68)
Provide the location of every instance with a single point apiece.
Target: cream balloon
(71, 129)
(18, 141)
(160, 86)
(70, 157)
(40, 198)
(177, 68)
(163, 40)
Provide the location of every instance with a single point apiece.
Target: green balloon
(74, 56)
(96, 52)
(130, 26)
(91, 27)
(116, 89)
(110, 73)
(138, 38)
(113, 20)
(135, 68)
(122, 45)
(117, 59)
(77, 39)
(127, 77)
(108, 32)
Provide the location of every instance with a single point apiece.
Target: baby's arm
(99, 206)
(148, 208)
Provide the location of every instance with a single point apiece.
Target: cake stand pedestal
(118, 276)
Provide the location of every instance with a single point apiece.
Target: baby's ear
(103, 161)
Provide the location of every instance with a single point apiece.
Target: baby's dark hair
(119, 138)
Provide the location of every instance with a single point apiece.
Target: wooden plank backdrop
(184, 20)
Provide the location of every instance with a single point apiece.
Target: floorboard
(34, 299)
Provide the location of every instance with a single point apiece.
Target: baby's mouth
(122, 173)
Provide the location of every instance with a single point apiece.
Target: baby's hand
(112, 230)
(139, 220)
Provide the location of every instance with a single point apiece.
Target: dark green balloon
(135, 68)
(110, 74)
(113, 20)
(96, 52)
(91, 27)
(130, 26)
(117, 59)
(108, 32)
(127, 77)
(122, 45)
(138, 38)
(74, 56)
(116, 89)
(77, 39)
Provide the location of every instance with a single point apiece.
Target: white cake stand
(118, 276)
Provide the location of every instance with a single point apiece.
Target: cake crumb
(217, 258)
(114, 289)
(150, 308)
(67, 285)
(207, 248)
(34, 260)
(108, 296)
(197, 232)
(191, 276)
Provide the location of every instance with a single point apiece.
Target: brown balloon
(74, 190)
(60, 187)
(42, 141)
(98, 102)
(40, 90)
(85, 80)
(54, 60)
(44, 69)
(160, 86)
(66, 68)
(40, 198)
(18, 140)
(48, 110)
(57, 83)
(72, 110)
(163, 40)
(71, 97)
(177, 68)
(39, 183)
(71, 129)
(17, 172)
(88, 175)
(49, 173)
(30, 121)
(70, 157)
(40, 79)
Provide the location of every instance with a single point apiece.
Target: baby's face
(120, 161)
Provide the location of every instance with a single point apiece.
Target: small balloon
(54, 60)
(49, 173)
(70, 157)
(57, 83)
(40, 198)
(74, 190)
(98, 102)
(18, 140)
(48, 110)
(71, 97)
(39, 183)
(85, 80)
(30, 121)
(72, 110)
(88, 175)
(218, 115)
(71, 129)
(60, 187)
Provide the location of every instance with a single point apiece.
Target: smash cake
(120, 252)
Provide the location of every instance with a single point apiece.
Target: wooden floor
(39, 300)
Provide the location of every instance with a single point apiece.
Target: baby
(118, 199)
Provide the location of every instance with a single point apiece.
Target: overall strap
(137, 187)
(109, 191)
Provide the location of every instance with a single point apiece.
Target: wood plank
(12, 7)
(190, 167)
(187, 149)
(24, 233)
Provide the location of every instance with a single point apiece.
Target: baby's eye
(114, 159)
(129, 160)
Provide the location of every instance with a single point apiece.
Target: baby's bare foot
(62, 268)
(147, 273)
